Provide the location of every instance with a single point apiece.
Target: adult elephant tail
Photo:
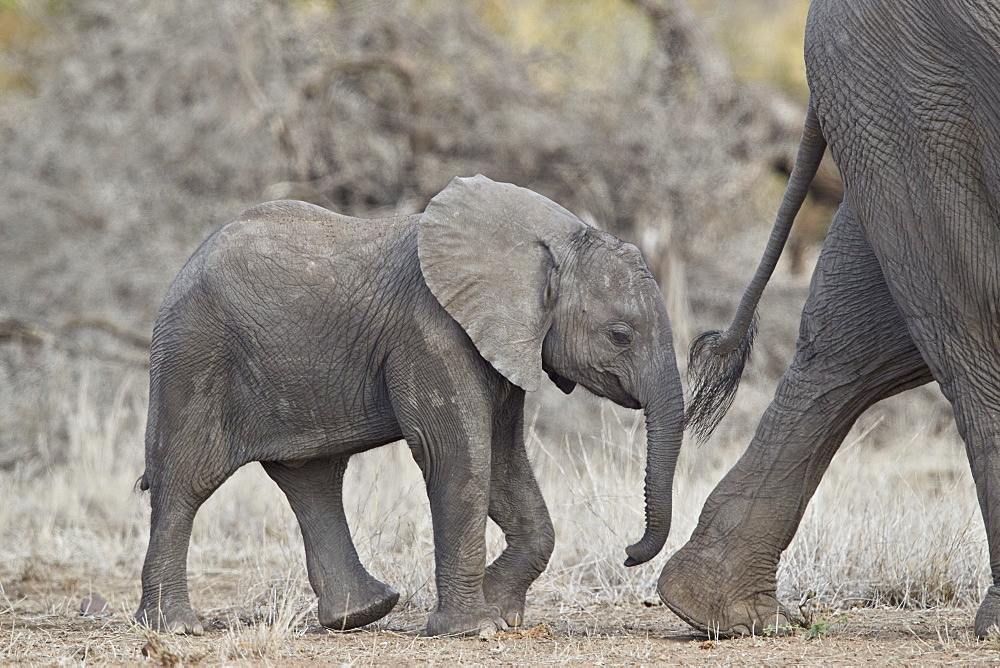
(717, 359)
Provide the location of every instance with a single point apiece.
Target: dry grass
(891, 550)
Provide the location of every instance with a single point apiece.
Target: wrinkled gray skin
(297, 337)
(907, 289)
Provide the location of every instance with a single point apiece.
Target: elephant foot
(509, 601)
(485, 623)
(988, 617)
(164, 617)
(693, 584)
(357, 608)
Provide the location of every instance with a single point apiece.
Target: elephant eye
(620, 335)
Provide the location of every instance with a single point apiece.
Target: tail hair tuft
(714, 375)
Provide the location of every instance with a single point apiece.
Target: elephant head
(537, 289)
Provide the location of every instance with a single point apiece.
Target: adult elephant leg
(951, 296)
(853, 350)
(348, 594)
(517, 506)
(976, 413)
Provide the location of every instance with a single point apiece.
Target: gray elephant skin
(296, 337)
(907, 289)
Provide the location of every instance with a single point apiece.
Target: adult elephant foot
(988, 617)
(164, 617)
(360, 605)
(716, 595)
(508, 599)
(465, 623)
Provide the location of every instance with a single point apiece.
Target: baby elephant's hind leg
(178, 485)
(349, 596)
(165, 604)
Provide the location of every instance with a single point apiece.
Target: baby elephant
(296, 337)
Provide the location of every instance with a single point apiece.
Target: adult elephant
(907, 289)
(297, 337)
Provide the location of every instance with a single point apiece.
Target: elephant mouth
(612, 390)
(630, 403)
(622, 397)
(564, 384)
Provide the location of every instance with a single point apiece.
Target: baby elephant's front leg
(457, 486)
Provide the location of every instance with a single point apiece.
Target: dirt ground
(40, 623)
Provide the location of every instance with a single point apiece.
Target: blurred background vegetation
(133, 128)
(130, 129)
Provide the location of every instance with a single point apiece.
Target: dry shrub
(894, 523)
(156, 121)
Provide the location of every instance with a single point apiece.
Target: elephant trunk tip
(647, 548)
(715, 366)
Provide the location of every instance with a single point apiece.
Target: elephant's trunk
(664, 409)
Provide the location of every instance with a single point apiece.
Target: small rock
(94, 606)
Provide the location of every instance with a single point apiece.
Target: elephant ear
(484, 250)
